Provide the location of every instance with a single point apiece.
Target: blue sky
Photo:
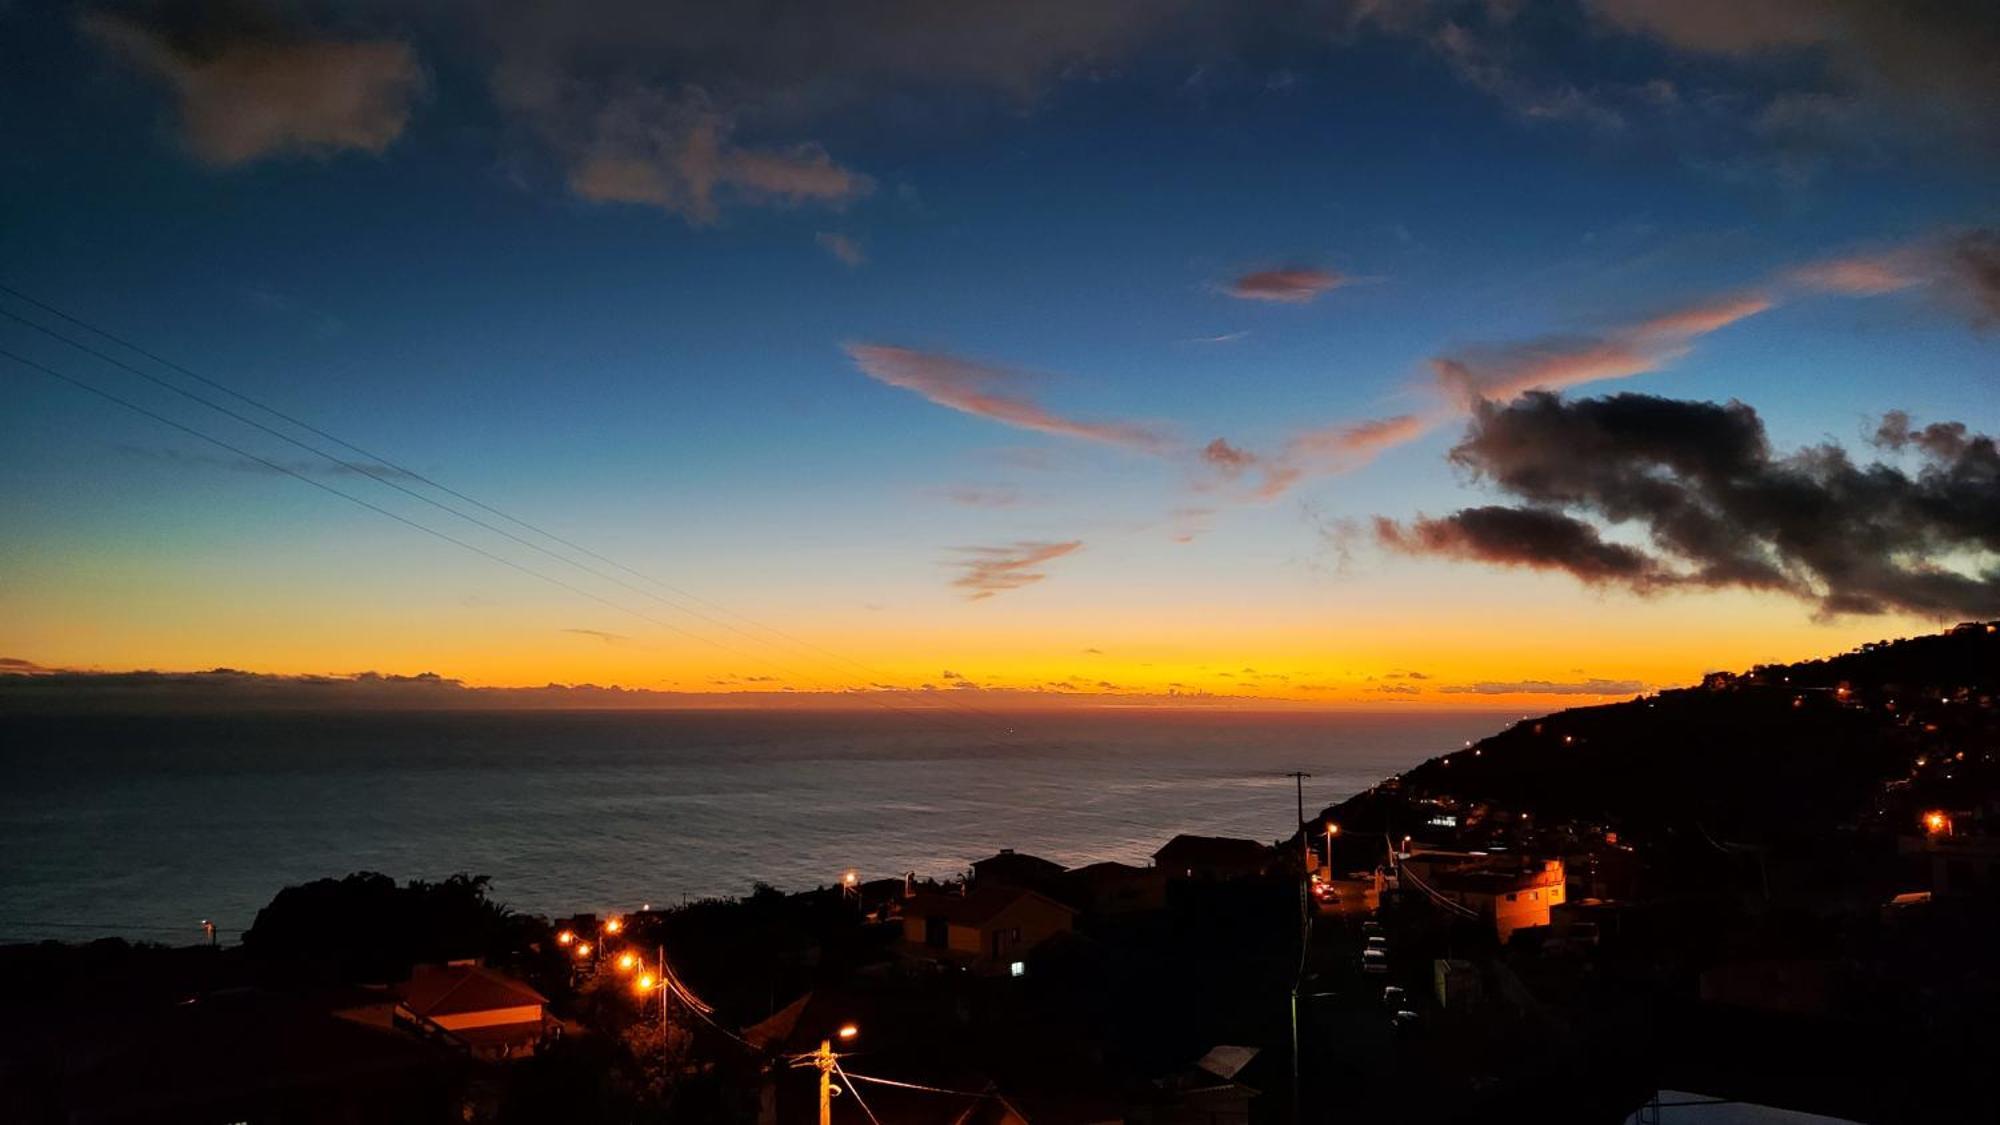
(483, 261)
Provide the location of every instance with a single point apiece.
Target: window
(1018, 969)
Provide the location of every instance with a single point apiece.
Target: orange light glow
(1332, 829)
(848, 1031)
(613, 926)
(627, 962)
(583, 949)
(1937, 823)
(565, 937)
(644, 984)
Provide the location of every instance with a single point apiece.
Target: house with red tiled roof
(495, 1015)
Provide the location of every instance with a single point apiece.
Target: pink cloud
(991, 392)
(1290, 284)
(1503, 372)
(1860, 276)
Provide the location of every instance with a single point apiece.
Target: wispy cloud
(1294, 285)
(986, 571)
(246, 95)
(1959, 269)
(994, 393)
(677, 152)
(982, 496)
(1220, 338)
(1503, 372)
(1546, 687)
(841, 246)
(614, 639)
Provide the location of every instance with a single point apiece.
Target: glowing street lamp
(582, 949)
(645, 983)
(1332, 830)
(627, 962)
(566, 937)
(613, 925)
(1936, 823)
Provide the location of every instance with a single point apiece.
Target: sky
(1337, 354)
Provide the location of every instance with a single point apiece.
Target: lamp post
(1332, 830)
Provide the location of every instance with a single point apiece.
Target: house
(988, 930)
(1016, 869)
(495, 1015)
(1510, 892)
(1212, 857)
(1211, 1092)
(1115, 888)
(241, 1055)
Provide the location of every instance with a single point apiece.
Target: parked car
(1375, 961)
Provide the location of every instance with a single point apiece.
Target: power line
(415, 475)
(387, 481)
(428, 530)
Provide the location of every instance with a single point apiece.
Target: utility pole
(1305, 931)
(823, 1059)
(826, 1062)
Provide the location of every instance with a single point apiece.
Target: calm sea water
(144, 826)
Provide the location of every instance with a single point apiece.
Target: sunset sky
(1125, 350)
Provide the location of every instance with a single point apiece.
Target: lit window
(1018, 969)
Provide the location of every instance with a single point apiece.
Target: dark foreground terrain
(1776, 887)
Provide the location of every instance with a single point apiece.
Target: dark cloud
(248, 89)
(1720, 510)
(1975, 256)
(1937, 56)
(1531, 537)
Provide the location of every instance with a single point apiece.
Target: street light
(627, 962)
(582, 949)
(613, 925)
(1332, 830)
(565, 937)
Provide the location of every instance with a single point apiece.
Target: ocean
(142, 827)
